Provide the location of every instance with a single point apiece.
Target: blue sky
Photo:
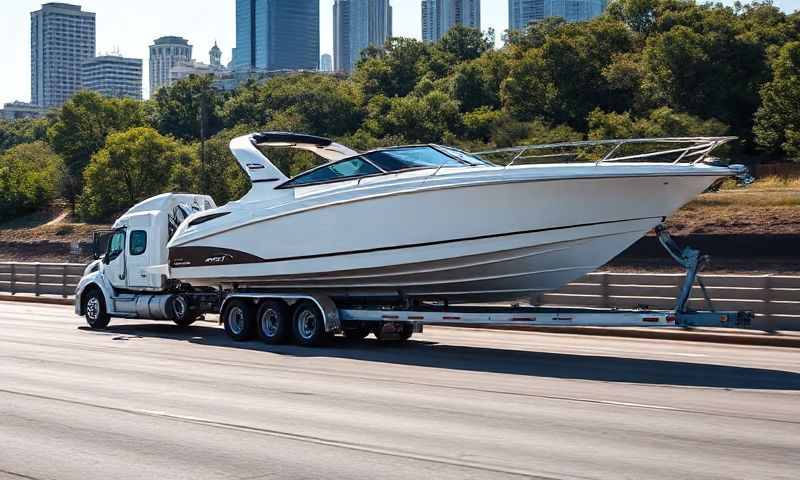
(130, 26)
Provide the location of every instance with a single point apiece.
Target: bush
(29, 178)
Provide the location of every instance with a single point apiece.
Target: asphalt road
(149, 400)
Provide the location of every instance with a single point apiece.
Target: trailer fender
(330, 312)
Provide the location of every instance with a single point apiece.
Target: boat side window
(138, 242)
(343, 170)
(397, 159)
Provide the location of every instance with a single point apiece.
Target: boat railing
(675, 150)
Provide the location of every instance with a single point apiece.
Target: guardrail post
(13, 279)
(63, 281)
(604, 289)
(767, 296)
(36, 279)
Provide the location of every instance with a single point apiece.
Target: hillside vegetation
(645, 68)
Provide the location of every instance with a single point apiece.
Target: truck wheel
(180, 311)
(94, 305)
(274, 322)
(308, 325)
(238, 319)
(359, 333)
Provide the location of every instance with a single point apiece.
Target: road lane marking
(303, 438)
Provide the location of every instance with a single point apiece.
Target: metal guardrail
(775, 299)
(59, 279)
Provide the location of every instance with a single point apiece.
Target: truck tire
(239, 320)
(308, 325)
(181, 314)
(274, 321)
(94, 307)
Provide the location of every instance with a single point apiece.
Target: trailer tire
(239, 320)
(274, 321)
(308, 325)
(94, 307)
(402, 336)
(359, 333)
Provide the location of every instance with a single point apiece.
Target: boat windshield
(389, 160)
(407, 158)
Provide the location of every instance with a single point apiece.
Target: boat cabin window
(397, 159)
(343, 170)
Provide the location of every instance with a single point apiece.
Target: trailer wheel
(405, 333)
(180, 311)
(238, 320)
(308, 325)
(94, 306)
(359, 333)
(274, 321)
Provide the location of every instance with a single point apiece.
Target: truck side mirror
(100, 243)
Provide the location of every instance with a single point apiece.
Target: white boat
(428, 222)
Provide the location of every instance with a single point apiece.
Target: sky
(129, 27)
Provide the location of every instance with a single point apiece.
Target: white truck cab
(129, 277)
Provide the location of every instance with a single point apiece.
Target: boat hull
(502, 241)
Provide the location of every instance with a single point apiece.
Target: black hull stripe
(185, 257)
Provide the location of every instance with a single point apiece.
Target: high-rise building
(62, 38)
(574, 10)
(326, 63)
(165, 53)
(184, 69)
(523, 12)
(357, 24)
(215, 56)
(277, 35)
(439, 16)
(113, 76)
(21, 110)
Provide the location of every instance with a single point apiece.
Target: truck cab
(129, 276)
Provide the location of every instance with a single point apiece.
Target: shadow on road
(492, 360)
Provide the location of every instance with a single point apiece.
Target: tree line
(646, 68)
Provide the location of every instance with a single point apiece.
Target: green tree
(778, 119)
(189, 109)
(17, 132)
(477, 83)
(394, 70)
(83, 123)
(29, 178)
(462, 43)
(429, 119)
(661, 122)
(133, 165)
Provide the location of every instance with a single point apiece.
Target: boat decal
(180, 257)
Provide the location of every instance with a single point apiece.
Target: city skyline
(130, 28)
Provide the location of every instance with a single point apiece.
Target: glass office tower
(277, 35)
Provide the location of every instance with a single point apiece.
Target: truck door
(114, 260)
(138, 256)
